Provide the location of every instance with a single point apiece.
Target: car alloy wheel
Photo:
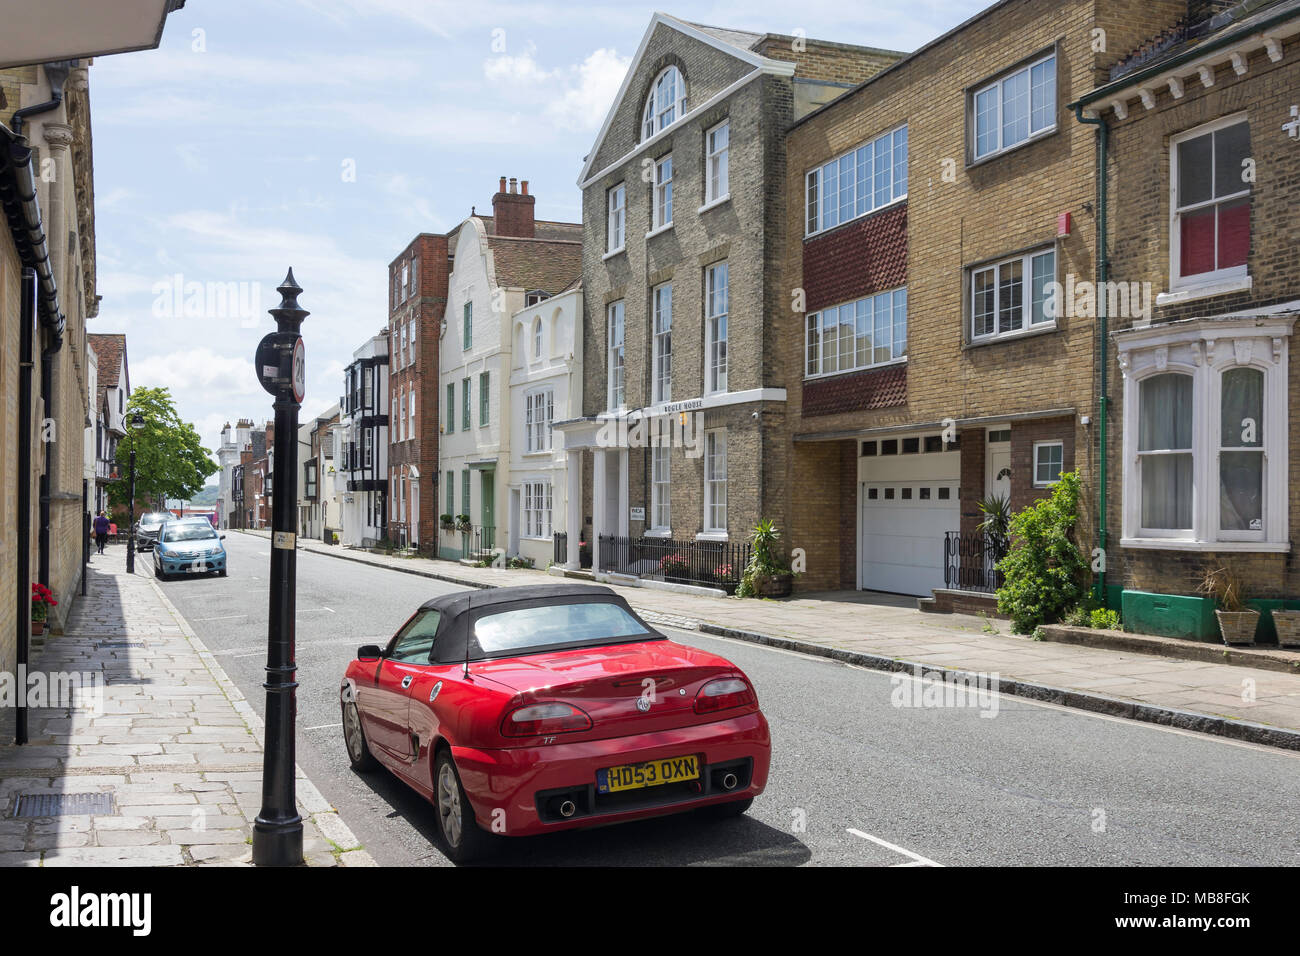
(354, 739)
(464, 839)
(449, 808)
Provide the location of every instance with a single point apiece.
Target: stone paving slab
(888, 629)
(164, 731)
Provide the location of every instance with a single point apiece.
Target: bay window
(1205, 433)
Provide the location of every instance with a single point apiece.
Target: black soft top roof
(458, 603)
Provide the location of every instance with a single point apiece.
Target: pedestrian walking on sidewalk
(101, 531)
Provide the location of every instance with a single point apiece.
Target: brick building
(684, 217)
(417, 298)
(112, 389)
(937, 215)
(1203, 151)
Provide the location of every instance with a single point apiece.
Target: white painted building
(545, 387)
(361, 445)
(233, 441)
(502, 265)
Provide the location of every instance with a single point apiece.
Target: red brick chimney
(513, 211)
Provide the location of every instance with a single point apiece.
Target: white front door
(997, 455)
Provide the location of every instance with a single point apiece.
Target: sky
(323, 135)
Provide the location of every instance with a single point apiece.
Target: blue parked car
(189, 546)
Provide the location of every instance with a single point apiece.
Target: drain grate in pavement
(62, 804)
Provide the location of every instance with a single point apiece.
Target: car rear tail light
(551, 718)
(723, 694)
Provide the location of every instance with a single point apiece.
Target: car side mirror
(370, 652)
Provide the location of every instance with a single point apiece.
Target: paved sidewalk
(878, 631)
(161, 729)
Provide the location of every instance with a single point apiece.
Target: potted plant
(1236, 621)
(766, 575)
(674, 567)
(42, 601)
(1287, 623)
(446, 522)
(462, 524)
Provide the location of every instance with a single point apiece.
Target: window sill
(658, 533)
(1042, 328)
(1187, 544)
(1007, 150)
(659, 230)
(610, 255)
(902, 360)
(714, 203)
(1204, 291)
(720, 536)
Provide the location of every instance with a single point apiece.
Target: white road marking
(226, 617)
(918, 860)
(322, 726)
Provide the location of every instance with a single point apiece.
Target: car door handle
(406, 681)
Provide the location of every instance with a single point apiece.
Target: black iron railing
(477, 541)
(970, 562)
(716, 564)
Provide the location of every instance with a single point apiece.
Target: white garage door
(906, 505)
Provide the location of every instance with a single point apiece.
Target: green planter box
(1170, 615)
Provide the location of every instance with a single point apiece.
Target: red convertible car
(526, 710)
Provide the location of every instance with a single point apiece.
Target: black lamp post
(277, 831)
(136, 423)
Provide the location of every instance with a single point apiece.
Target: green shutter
(451, 408)
(483, 398)
(464, 491)
(469, 325)
(451, 493)
(464, 410)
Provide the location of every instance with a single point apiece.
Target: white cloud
(584, 104)
(575, 98)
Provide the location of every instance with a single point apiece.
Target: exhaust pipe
(568, 809)
(729, 782)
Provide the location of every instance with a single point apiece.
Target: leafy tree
(1045, 573)
(169, 460)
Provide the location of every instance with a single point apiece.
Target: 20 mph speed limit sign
(299, 370)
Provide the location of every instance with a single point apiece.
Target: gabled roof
(546, 264)
(109, 353)
(734, 43)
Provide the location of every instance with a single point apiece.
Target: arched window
(666, 103)
(537, 337)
